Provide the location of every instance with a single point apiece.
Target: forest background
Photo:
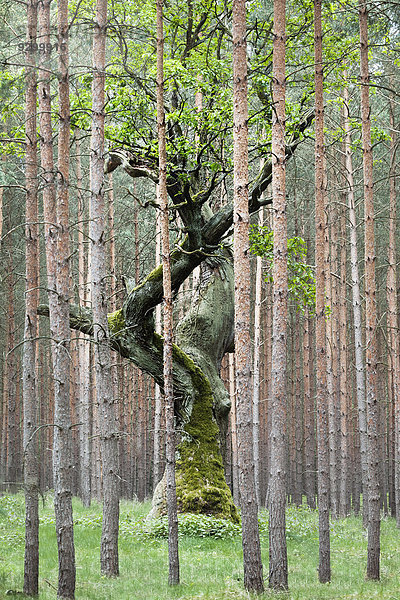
(199, 119)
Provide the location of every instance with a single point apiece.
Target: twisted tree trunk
(201, 401)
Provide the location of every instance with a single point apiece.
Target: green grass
(211, 568)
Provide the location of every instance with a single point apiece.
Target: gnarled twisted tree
(202, 338)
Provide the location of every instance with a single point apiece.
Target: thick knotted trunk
(202, 403)
(202, 338)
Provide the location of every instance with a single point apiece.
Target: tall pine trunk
(278, 565)
(98, 273)
(60, 330)
(30, 409)
(257, 370)
(356, 307)
(172, 505)
(344, 505)
(83, 342)
(370, 311)
(392, 318)
(324, 569)
(157, 436)
(253, 580)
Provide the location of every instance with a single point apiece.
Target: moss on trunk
(200, 479)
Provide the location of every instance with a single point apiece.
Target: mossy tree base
(200, 479)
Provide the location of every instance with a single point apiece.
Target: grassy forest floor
(211, 566)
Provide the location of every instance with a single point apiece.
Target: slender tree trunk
(370, 310)
(392, 318)
(120, 412)
(98, 275)
(235, 472)
(324, 569)
(83, 343)
(172, 506)
(332, 363)
(157, 436)
(257, 370)
(344, 459)
(31, 446)
(49, 211)
(356, 306)
(278, 566)
(12, 376)
(253, 580)
(309, 420)
(59, 324)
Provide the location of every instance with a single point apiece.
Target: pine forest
(200, 298)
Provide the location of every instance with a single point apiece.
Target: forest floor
(211, 566)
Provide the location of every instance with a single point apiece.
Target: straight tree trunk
(373, 558)
(309, 418)
(157, 435)
(60, 330)
(83, 343)
(299, 414)
(13, 432)
(324, 569)
(344, 458)
(30, 408)
(120, 413)
(392, 315)
(235, 472)
(257, 370)
(253, 579)
(332, 363)
(278, 565)
(356, 308)
(172, 505)
(98, 274)
(50, 218)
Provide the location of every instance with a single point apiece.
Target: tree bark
(253, 579)
(324, 569)
(58, 274)
(278, 566)
(157, 436)
(356, 307)
(257, 371)
(332, 363)
(392, 317)
(30, 408)
(172, 505)
(344, 505)
(370, 310)
(83, 343)
(98, 274)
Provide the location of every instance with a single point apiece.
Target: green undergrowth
(210, 556)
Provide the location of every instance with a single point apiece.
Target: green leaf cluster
(301, 279)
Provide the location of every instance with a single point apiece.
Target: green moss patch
(116, 321)
(200, 477)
